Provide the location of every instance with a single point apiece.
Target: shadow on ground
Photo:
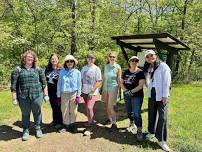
(120, 136)
(8, 133)
(100, 112)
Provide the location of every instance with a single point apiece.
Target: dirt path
(102, 140)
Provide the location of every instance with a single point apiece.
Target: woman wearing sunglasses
(111, 83)
(158, 76)
(132, 85)
(68, 92)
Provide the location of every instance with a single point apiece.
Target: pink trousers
(89, 106)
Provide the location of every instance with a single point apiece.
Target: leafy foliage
(46, 27)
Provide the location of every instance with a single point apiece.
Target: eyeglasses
(70, 61)
(149, 55)
(134, 60)
(112, 57)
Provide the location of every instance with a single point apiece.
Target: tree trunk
(190, 64)
(182, 27)
(73, 31)
(91, 40)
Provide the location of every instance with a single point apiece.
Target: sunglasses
(112, 57)
(134, 60)
(149, 55)
(70, 61)
(90, 58)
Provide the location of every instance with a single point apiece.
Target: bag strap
(152, 73)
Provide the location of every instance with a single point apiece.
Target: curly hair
(24, 55)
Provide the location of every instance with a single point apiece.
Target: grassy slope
(185, 117)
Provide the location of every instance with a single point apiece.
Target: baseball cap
(149, 52)
(133, 57)
(90, 56)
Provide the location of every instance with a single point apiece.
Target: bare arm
(122, 86)
(139, 87)
(96, 85)
(45, 91)
(119, 76)
(14, 95)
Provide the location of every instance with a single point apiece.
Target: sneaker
(39, 133)
(164, 146)
(58, 126)
(90, 124)
(25, 135)
(131, 127)
(88, 131)
(149, 136)
(113, 128)
(139, 136)
(63, 130)
(107, 122)
(72, 128)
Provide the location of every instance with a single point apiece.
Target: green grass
(8, 111)
(185, 118)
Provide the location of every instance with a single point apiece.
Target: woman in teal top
(112, 78)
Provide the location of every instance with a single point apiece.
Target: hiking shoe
(25, 135)
(164, 146)
(131, 127)
(39, 133)
(149, 136)
(88, 131)
(139, 136)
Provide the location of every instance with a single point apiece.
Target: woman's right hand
(59, 100)
(14, 98)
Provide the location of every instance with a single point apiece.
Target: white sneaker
(164, 146)
(131, 127)
(149, 136)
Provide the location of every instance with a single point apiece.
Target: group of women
(64, 85)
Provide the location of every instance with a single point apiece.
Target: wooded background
(82, 26)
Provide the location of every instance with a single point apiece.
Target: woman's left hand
(77, 100)
(165, 100)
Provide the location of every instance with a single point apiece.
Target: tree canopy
(81, 26)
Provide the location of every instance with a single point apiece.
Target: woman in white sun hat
(68, 92)
(158, 76)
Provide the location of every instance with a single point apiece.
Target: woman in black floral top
(28, 87)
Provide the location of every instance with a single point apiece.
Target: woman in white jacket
(158, 82)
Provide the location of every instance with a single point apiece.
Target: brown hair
(23, 56)
(49, 66)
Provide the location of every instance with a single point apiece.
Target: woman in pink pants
(91, 80)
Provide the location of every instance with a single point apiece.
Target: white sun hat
(70, 57)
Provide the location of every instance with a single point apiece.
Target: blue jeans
(133, 107)
(27, 105)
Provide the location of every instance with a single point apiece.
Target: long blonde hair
(113, 52)
(23, 58)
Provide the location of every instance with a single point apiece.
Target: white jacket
(161, 82)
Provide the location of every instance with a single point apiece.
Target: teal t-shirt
(111, 77)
